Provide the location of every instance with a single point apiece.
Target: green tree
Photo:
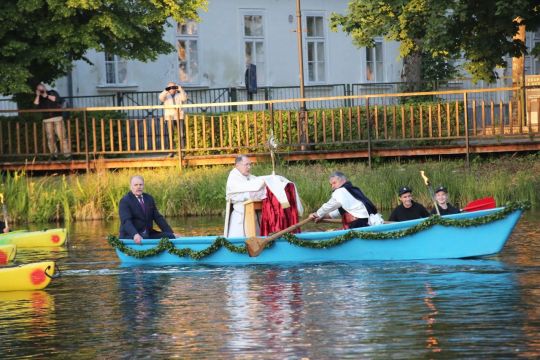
(480, 31)
(40, 39)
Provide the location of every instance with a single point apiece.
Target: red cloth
(273, 217)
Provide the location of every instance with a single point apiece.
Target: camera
(42, 91)
(171, 88)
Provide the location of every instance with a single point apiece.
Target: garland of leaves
(166, 244)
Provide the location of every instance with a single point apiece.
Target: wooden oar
(4, 211)
(480, 204)
(255, 245)
(332, 221)
(426, 181)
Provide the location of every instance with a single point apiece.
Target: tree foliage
(40, 39)
(480, 31)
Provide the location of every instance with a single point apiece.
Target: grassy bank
(201, 191)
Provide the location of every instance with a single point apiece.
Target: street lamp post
(302, 113)
(300, 52)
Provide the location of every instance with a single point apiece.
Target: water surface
(483, 308)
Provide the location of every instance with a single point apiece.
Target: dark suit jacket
(134, 220)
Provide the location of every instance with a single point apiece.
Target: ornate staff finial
(272, 146)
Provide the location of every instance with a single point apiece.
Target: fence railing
(358, 122)
(265, 93)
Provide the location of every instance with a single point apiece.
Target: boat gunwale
(313, 235)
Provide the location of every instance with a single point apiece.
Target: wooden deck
(452, 123)
(156, 161)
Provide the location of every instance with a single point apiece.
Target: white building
(214, 52)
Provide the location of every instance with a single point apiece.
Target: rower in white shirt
(347, 202)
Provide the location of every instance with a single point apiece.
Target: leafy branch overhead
(479, 30)
(39, 39)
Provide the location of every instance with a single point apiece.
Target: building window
(187, 44)
(315, 44)
(374, 63)
(535, 68)
(115, 70)
(254, 53)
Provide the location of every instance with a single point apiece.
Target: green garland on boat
(166, 244)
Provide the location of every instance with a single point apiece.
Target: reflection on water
(429, 309)
(28, 317)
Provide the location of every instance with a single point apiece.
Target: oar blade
(254, 246)
(480, 204)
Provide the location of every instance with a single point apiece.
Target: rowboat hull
(34, 276)
(436, 242)
(32, 239)
(7, 253)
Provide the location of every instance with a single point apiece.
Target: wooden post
(251, 224)
(87, 155)
(271, 113)
(466, 119)
(368, 132)
(179, 135)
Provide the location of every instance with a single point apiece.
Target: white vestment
(239, 189)
(276, 184)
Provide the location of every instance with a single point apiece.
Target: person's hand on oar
(255, 245)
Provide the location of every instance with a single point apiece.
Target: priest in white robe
(241, 186)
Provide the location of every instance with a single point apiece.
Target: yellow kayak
(34, 276)
(7, 253)
(30, 239)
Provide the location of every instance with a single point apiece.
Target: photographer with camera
(54, 124)
(174, 95)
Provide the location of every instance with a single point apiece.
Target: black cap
(441, 188)
(404, 190)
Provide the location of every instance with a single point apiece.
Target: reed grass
(201, 191)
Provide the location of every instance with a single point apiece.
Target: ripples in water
(429, 309)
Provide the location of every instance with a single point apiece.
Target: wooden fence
(429, 119)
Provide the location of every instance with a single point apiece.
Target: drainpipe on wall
(70, 87)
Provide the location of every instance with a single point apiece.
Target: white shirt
(343, 198)
(179, 98)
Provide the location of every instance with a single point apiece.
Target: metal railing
(265, 93)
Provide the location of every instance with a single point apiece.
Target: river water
(97, 309)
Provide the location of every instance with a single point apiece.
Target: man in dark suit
(138, 211)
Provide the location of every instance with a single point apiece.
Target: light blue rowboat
(470, 234)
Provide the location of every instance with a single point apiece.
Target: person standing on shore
(347, 202)
(408, 209)
(441, 198)
(138, 211)
(173, 94)
(54, 123)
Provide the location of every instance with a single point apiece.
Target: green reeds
(201, 191)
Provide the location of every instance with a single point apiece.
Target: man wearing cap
(445, 208)
(347, 202)
(408, 209)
